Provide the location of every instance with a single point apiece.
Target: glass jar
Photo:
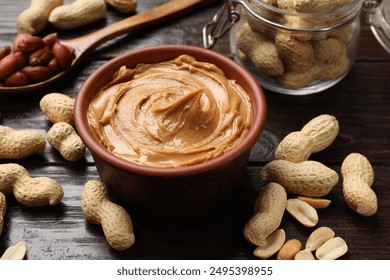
(378, 18)
(291, 50)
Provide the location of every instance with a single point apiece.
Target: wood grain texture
(361, 103)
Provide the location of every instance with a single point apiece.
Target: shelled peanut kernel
(33, 59)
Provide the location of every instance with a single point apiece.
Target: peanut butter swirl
(170, 114)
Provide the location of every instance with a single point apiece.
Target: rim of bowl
(106, 71)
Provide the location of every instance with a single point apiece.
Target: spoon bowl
(85, 44)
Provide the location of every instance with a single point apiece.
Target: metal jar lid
(378, 18)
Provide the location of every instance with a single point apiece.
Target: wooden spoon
(87, 43)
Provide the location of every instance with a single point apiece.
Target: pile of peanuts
(295, 59)
(78, 13)
(33, 59)
(43, 191)
(291, 173)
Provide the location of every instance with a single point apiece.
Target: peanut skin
(17, 78)
(63, 55)
(269, 209)
(32, 192)
(36, 73)
(4, 51)
(8, 65)
(289, 250)
(115, 221)
(28, 43)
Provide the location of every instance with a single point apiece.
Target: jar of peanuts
(294, 47)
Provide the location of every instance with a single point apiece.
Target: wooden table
(361, 103)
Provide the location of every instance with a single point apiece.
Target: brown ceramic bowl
(170, 191)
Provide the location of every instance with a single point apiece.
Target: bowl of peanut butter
(170, 127)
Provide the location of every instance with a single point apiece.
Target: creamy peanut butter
(170, 114)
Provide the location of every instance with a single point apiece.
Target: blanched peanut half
(273, 244)
(15, 252)
(302, 211)
(332, 249)
(317, 203)
(289, 250)
(304, 255)
(319, 237)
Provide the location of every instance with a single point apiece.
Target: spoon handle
(86, 43)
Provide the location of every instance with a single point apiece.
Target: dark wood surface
(361, 103)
